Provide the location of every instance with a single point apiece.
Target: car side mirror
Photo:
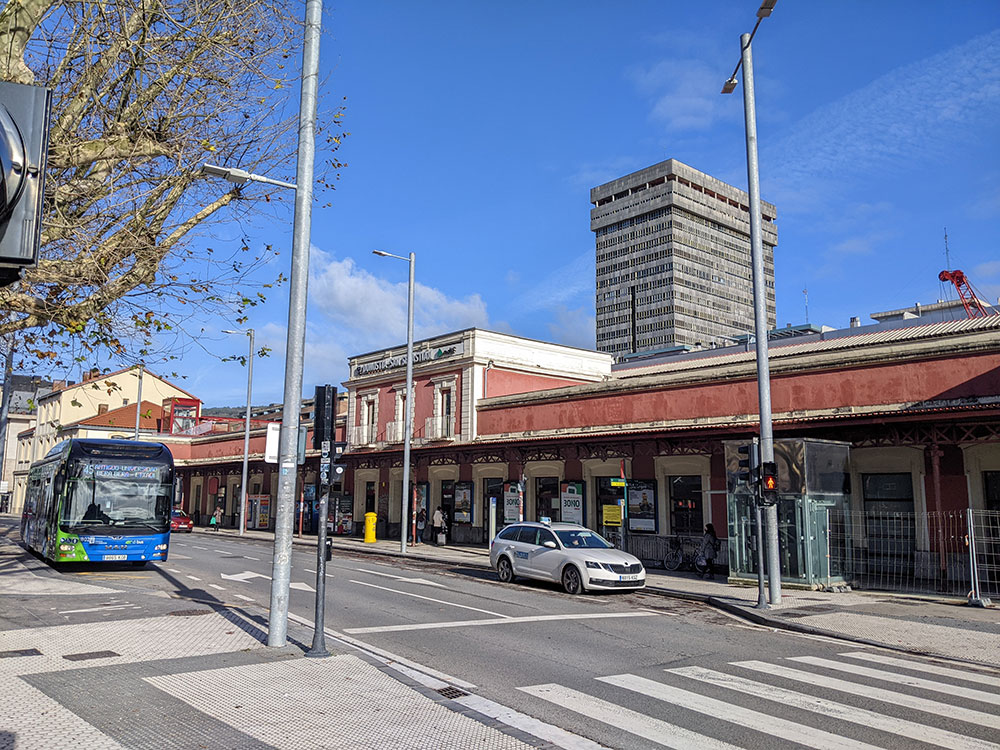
(549, 543)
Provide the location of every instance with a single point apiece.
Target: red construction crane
(973, 307)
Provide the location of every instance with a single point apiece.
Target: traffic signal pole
(759, 315)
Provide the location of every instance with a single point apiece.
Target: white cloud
(684, 93)
(906, 116)
(574, 327)
(563, 285)
(369, 312)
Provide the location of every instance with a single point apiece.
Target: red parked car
(180, 521)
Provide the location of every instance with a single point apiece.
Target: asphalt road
(626, 670)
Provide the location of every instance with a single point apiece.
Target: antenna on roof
(806, 293)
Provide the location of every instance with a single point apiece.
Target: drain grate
(189, 612)
(20, 652)
(89, 655)
(451, 692)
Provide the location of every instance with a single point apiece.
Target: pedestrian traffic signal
(749, 462)
(769, 482)
(24, 141)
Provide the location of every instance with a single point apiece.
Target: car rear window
(509, 533)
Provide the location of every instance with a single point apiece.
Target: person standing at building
(437, 525)
(216, 521)
(708, 551)
(421, 525)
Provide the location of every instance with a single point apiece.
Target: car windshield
(176, 514)
(583, 539)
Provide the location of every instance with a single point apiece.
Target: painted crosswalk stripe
(900, 679)
(633, 722)
(794, 699)
(724, 711)
(955, 674)
(876, 693)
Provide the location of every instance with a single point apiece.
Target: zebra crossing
(941, 706)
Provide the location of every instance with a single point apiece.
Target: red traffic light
(770, 482)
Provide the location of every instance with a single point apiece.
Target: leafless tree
(145, 91)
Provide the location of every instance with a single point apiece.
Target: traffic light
(749, 463)
(324, 406)
(769, 482)
(24, 145)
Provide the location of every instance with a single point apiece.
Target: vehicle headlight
(591, 564)
(160, 547)
(66, 547)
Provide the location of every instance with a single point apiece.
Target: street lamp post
(408, 426)
(759, 313)
(246, 435)
(295, 342)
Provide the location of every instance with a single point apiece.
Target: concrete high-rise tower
(673, 260)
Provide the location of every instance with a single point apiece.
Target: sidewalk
(931, 626)
(144, 670)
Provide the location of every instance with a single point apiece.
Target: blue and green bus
(95, 500)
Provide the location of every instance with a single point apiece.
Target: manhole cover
(189, 612)
(451, 692)
(90, 655)
(20, 652)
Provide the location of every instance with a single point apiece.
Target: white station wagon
(567, 553)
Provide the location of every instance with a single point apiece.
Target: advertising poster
(641, 506)
(571, 502)
(511, 502)
(463, 502)
(342, 511)
(263, 503)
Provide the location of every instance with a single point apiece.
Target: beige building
(77, 405)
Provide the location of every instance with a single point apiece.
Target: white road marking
(245, 576)
(955, 674)
(724, 711)
(251, 558)
(894, 697)
(557, 736)
(193, 578)
(244, 598)
(178, 555)
(502, 621)
(633, 722)
(429, 599)
(301, 586)
(852, 714)
(422, 581)
(219, 551)
(899, 679)
(94, 609)
(217, 587)
(197, 547)
(173, 570)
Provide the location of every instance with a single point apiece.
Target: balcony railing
(362, 435)
(395, 432)
(439, 428)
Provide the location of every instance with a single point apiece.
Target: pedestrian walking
(709, 549)
(421, 525)
(216, 520)
(437, 526)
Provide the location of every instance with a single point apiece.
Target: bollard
(370, 519)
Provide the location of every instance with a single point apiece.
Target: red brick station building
(537, 430)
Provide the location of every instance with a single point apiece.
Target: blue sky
(478, 129)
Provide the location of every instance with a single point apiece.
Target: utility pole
(277, 631)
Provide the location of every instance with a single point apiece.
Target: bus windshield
(117, 495)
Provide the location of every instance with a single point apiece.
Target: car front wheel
(505, 572)
(571, 581)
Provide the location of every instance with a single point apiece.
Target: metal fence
(652, 548)
(954, 553)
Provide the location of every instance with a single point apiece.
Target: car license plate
(630, 577)
(115, 557)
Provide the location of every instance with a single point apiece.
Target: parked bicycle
(684, 554)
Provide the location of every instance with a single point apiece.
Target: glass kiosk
(813, 480)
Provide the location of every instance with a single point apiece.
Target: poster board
(463, 511)
(512, 499)
(642, 506)
(571, 499)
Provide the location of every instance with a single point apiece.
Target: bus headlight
(67, 547)
(160, 547)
